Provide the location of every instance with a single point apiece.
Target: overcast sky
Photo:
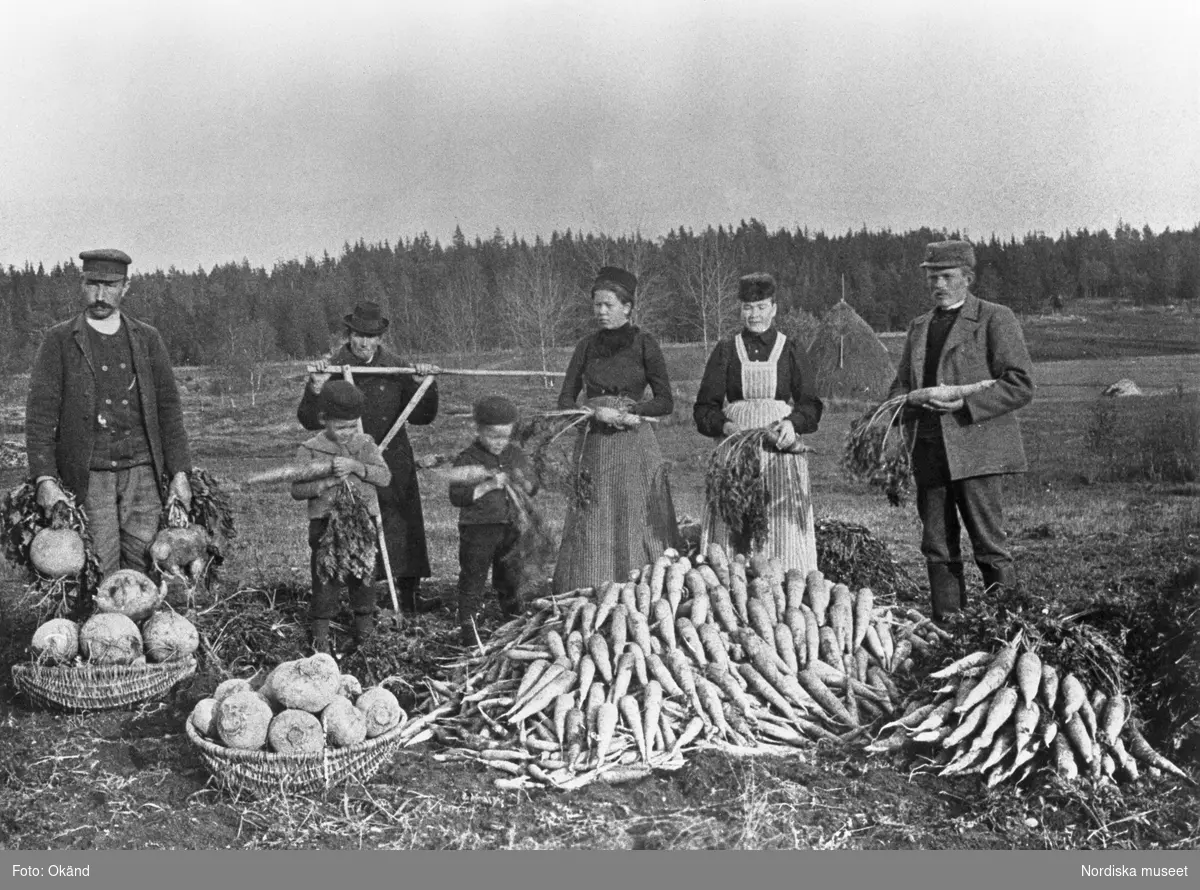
(200, 133)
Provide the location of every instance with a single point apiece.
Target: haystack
(1122, 388)
(850, 361)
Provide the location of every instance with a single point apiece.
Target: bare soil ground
(130, 779)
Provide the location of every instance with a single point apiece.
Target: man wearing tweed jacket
(964, 445)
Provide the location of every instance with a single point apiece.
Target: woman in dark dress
(387, 395)
(628, 518)
(756, 379)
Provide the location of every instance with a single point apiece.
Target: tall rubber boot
(947, 589)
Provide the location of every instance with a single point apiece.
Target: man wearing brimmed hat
(103, 415)
(387, 395)
(964, 444)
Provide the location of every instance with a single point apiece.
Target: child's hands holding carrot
(522, 481)
(346, 466)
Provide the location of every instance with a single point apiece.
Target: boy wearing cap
(355, 458)
(963, 447)
(103, 415)
(387, 397)
(487, 519)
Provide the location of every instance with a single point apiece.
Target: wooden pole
(348, 375)
(450, 372)
(408, 409)
(387, 564)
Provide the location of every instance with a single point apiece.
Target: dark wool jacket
(620, 362)
(984, 437)
(495, 506)
(61, 407)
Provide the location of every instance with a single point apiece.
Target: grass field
(130, 779)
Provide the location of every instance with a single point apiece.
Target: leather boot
(1003, 576)
(319, 630)
(947, 589)
(510, 605)
(466, 629)
(364, 626)
(410, 599)
(466, 634)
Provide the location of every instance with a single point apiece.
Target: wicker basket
(265, 772)
(98, 687)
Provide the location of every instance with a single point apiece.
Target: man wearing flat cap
(387, 395)
(103, 416)
(964, 444)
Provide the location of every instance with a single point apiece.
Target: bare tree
(245, 355)
(462, 307)
(707, 279)
(537, 302)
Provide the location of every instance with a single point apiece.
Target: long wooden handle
(408, 409)
(452, 372)
(387, 564)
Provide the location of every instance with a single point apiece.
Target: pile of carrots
(1008, 716)
(613, 683)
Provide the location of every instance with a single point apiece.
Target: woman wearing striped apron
(761, 379)
(622, 516)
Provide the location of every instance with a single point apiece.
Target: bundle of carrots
(613, 683)
(1009, 716)
(878, 450)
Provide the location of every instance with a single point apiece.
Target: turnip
(228, 687)
(344, 724)
(242, 720)
(181, 549)
(307, 684)
(203, 716)
(295, 732)
(57, 552)
(110, 638)
(56, 641)
(168, 636)
(381, 709)
(349, 687)
(130, 593)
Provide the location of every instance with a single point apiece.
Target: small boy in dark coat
(354, 458)
(487, 522)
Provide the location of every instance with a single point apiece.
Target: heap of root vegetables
(1049, 700)
(613, 683)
